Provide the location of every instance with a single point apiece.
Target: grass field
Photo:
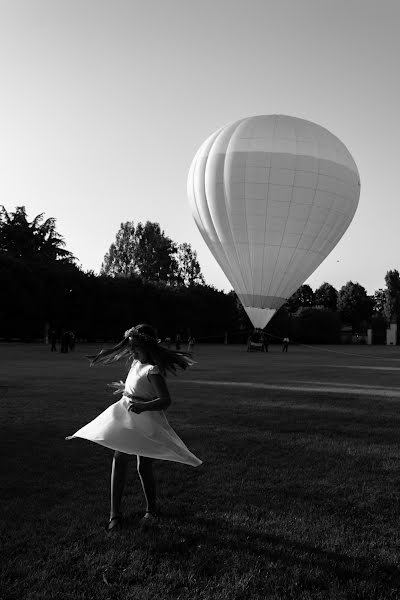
(298, 496)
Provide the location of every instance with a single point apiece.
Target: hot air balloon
(272, 195)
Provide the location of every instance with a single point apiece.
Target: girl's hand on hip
(136, 406)
(131, 396)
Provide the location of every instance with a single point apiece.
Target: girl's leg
(145, 470)
(118, 478)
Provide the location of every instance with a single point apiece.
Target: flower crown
(142, 337)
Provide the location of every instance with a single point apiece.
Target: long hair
(144, 336)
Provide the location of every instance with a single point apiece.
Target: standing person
(285, 344)
(248, 344)
(265, 342)
(64, 341)
(136, 424)
(53, 340)
(71, 340)
(178, 341)
(191, 343)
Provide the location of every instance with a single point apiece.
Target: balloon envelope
(272, 195)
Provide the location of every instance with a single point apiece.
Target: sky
(103, 105)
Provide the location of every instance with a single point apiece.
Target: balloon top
(284, 133)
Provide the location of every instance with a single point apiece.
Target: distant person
(191, 343)
(285, 344)
(136, 424)
(64, 341)
(71, 340)
(178, 341)
(248, 344)
(168, 342)
(53, 340)
(265, 342)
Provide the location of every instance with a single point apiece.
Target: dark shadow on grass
(217, 542)
(212, 545)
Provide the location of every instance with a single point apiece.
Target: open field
(298, 496)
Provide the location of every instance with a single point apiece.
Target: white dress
(146, 434)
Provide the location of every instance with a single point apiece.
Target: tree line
(146, 277)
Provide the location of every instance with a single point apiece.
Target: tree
(155, 254)
(36, 272)
(354, 304)
(188, 269)
(304, 297)
(392, 296)
(120, 259)
(144, 251)
(379, 299)
(31, 241)
(326, 295)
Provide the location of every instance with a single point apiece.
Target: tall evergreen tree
(392, 296)
(31, 240)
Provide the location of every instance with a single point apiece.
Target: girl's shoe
(150, 518)
(115, 523)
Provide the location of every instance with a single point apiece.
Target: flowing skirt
(146, 434)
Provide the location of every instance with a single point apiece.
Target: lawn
(298, 496)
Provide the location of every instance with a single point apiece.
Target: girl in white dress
(136, 424)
